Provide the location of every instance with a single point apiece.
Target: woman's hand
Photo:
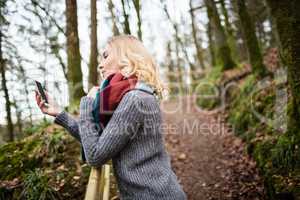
(51, 108)
(93, 91)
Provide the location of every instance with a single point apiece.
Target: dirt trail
(209, 161)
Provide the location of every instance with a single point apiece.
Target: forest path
(209, 161)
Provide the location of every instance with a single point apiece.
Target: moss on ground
(207, 90)
(276, 153)
(251, 111)
(44, 165)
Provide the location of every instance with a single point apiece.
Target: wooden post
(98, 185)
(106, 182)
(93, 188)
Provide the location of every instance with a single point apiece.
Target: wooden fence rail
(98, 185)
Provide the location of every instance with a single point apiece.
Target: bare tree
(253, 48)
(73, 53)
(3, 63)
(10, 126)
(228, 26)
(113, 18)
(126, 17)
(47, 23)
(171, 72)
(137, 7)
(287, 19)
(197, 42)
(211, 42)
(178, 43)
(93, 75)
(224, 57)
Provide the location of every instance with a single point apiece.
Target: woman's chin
(106, 75)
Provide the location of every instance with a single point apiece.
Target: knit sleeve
(123, 125)
(65, 120)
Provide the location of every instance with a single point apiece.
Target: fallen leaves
(210, 166)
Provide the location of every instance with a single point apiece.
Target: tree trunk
(171, 72)
(229, 30)
(252, 44)
(228, 26)
(258, 13)
(93, 74)
(179, 63)
(224, 57)
(211, 43)
(18, 111)
(178, 42)
(26, 90)
(287, 19)
(126, 21)
(113, 18)
(197, 43)
(10, 127)
(74, 59)
(137, 7)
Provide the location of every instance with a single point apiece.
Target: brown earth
(209, 161)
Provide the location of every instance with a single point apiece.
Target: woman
(132, 138)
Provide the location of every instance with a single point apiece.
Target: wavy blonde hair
(133, 58)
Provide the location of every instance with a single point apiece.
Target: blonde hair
(133, 58)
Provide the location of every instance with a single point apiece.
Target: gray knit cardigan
(133, 140)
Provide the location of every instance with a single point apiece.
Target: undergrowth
(252, 109)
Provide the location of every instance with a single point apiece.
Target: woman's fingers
(44, 107)
(41, 103)
(51, 101)
(36, 96)
(47, 95)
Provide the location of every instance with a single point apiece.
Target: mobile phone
(41, 91)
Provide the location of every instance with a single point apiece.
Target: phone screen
(41, 91)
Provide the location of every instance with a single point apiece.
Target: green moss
(37, 128)
(52, 150)
(36, 186)
(225, 58)
(277, 154)
(207, 90)
(17, 158)
(208, 95)
(262, 153)
(286, 154)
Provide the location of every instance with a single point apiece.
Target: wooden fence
(98, 185)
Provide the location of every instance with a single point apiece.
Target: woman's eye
(105, 55)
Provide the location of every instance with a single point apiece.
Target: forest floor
(209, 161)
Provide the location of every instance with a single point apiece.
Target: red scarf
(109, 98)
(112, 94)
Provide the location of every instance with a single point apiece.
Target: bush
(277, 154)
(36, 187)
(207, 90)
